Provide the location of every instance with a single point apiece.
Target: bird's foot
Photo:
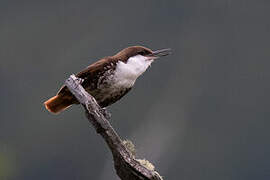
(105, 113)
(80, 80)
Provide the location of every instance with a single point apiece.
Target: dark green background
(201, 113)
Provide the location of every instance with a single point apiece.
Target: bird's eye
(141, 53)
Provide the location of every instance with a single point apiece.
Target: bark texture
(126, 166)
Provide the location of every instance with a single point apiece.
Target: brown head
(132, 51)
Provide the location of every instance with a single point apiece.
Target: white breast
(127, 73)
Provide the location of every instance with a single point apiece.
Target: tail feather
(57, 104)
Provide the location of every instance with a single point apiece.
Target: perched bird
(110, 78)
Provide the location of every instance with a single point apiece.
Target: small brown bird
(110, 78)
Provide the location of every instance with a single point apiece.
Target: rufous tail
(57, 104)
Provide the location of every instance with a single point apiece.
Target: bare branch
(126, 166)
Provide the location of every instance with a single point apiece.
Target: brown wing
(90, 75)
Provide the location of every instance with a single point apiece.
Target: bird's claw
(105, 113)
(80, 80)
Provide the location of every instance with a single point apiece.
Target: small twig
(126, 166)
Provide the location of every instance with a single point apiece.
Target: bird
(109, 78)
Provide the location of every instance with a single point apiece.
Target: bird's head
(135, 52)
(133, 61)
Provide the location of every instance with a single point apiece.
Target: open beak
(159, 53)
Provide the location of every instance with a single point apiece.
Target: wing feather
(90, 74)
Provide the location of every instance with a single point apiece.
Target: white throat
(127, 73)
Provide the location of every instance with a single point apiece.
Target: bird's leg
(79, 80)
(106, 113)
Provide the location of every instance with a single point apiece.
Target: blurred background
(200, 113)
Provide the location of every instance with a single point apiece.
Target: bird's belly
(108, 96)
(108, 93)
